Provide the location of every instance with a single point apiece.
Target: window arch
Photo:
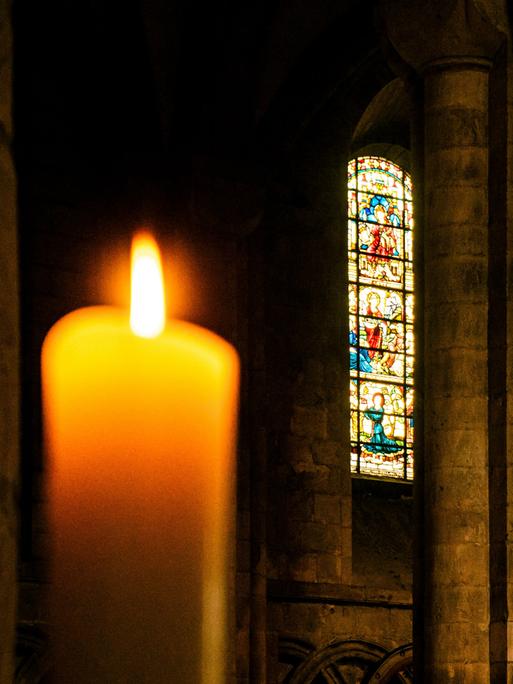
(381, 312)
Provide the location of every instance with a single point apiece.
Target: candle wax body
(140, 438)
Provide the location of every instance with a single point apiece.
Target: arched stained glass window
(381, 303)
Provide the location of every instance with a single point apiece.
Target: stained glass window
(381, 311)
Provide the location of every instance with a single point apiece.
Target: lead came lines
(385, 361)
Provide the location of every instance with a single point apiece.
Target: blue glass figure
(380, 443)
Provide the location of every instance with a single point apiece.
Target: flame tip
(147, 310)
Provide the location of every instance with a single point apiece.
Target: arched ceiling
(386, 119)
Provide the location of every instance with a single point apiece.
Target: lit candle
(139, 430)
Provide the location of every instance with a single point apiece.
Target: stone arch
(334, 662)
(32, 656)
(344, 662)
(396, 665)
(386, 118)
(292, 652)
(328, 89)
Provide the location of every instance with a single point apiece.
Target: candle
(139, 434)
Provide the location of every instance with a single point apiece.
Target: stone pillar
(456, 382)
(9, 395)
(451, 45)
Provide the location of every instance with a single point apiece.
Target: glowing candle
(140, 432)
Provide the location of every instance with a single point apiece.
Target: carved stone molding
(344, 662)
(396, 663)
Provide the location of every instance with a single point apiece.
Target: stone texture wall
(322, 563)
(308, 636)
(456, 571)
(339, 552)
(309, 517)
(9, 354)
(509, 377)
(498, 365)
(463, 486)
(507, 595)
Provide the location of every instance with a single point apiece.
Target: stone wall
(309, 487)
(509, 376)
(323, 562)
(339, 553)
(311, 638)
(9, 381)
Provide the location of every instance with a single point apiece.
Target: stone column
(9, 383)
(456, 382)
(451, 46)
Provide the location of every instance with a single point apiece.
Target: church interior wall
(246, 185)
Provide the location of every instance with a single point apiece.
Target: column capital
(441, 33)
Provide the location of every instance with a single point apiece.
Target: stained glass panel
(410, 362)
(410, 340)
(351, 234)
(374, 239)
(353, 269)
(407, 184)
(382, 434)
(381, 270)
(377, 208)
(393, 395)
(409, 307)
(352, 204)
(408, 245)
(351, 176)
(381, 303)
(378, 175)
(408, 215)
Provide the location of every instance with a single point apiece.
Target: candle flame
(147, 307)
